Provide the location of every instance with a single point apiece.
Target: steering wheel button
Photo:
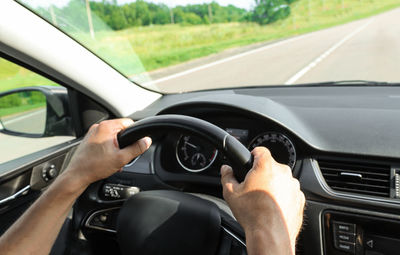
(103, 218)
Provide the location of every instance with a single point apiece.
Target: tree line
(142, 13)
(74, 16)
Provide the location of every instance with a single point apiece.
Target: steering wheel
(172, 222)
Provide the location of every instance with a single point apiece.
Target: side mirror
(35, 112)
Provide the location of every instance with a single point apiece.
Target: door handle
(19, 193)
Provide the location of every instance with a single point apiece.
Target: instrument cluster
(197, 155)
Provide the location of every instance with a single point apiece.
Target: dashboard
(339, 142)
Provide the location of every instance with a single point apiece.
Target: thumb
(136, 149)
(228, 181)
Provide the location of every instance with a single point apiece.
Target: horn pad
(168, 222)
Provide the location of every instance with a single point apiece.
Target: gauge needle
(191, 145)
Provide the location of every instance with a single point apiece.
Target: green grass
(5, 112)
(13, 76)
(159, 46)
(162, 46)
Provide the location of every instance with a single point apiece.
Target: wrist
(269, 231)
(71, 184)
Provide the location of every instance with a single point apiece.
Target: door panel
(19, 191)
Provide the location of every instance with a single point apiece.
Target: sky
(247, 4)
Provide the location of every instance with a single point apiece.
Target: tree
(269, 11)
(144, 13)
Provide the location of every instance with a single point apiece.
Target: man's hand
(99, 156)
(268, 204)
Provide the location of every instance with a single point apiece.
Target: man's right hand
(268, 204)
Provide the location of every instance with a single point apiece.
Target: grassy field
(13, 76)
(161, 46)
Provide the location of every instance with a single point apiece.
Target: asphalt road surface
(32, 122)
(367, 49)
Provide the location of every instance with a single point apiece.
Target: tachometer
(195, 154)
(281, 148)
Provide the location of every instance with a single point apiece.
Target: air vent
(361, 178)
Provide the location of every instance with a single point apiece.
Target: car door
(41, 124)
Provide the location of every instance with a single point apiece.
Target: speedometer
(195, 154)
(281, 148)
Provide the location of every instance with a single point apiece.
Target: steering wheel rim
(238, 155)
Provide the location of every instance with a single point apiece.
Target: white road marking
(23, 117)
(226, 59)
(310, 66)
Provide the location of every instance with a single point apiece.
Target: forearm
(269, 237)
(36, 231)
(267, 243)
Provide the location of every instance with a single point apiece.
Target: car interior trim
(234, 236)
(94, 214)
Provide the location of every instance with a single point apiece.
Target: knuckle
(141, 146)
(102, 125)
(263, 152)
(225, 192)
(303, 202)
(296, 184)
(120, 158)
(287, 170)
(303, 197)
(267, 152)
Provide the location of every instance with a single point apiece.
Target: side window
(33, 112)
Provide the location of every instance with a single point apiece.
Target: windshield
(179, 46)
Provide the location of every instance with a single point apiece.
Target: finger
(228, 180)
(126, 122)
(115, 125)
(136, 149)
(285, 169)
(296, 184)
(260, 152)
(262, 157)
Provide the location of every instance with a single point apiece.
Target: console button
(344, 227)
(351, 238)
(347, 247)
(370, 243)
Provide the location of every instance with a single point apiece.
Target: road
(29, 122)
(367, 49)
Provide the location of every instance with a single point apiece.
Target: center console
(347, 233)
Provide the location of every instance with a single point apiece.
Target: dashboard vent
(361, 178)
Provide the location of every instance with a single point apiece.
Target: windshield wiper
(351, 83)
